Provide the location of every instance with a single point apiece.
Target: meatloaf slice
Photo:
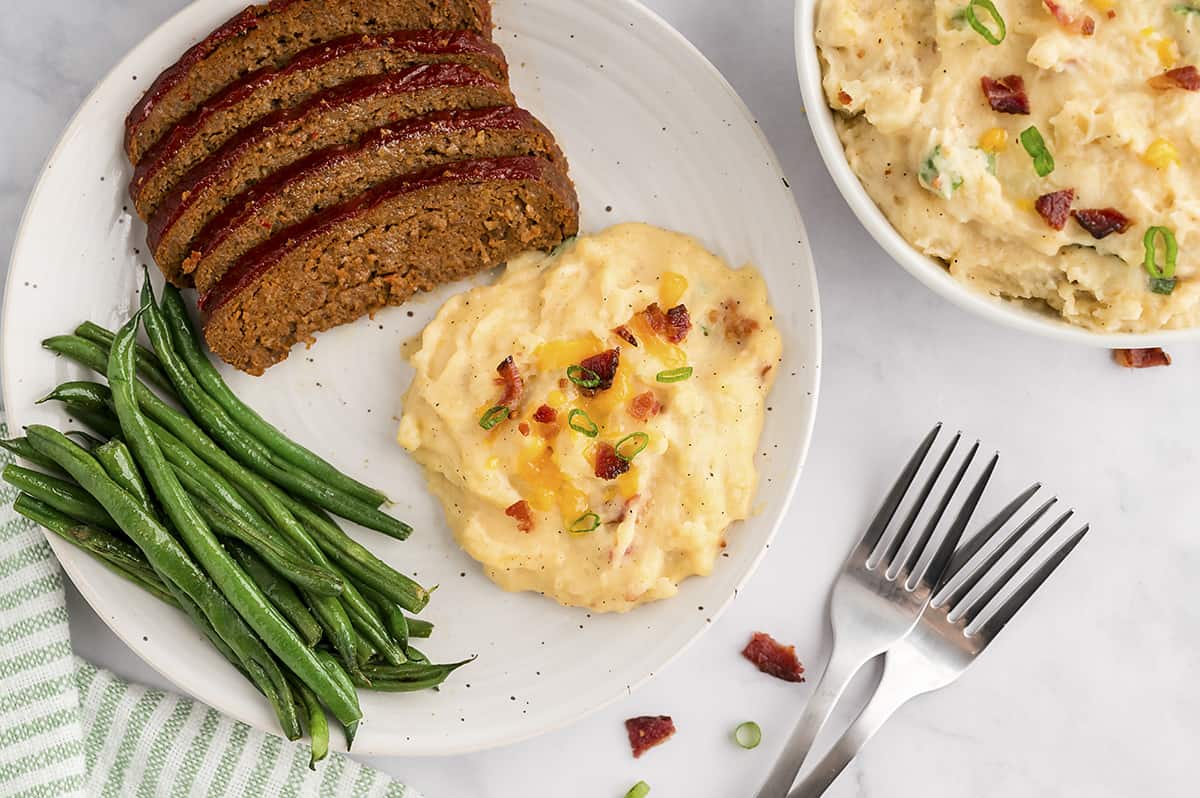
(335, 175)
(322, 68)
(407, 235)
(333, 118)
(269, 36)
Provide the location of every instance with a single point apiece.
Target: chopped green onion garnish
(748, 735)
(582, 423)
(1184, 8)
(936, 174)
(584, 378)
(588, 522)
(494, 416)
(1035, 145)
(980, 28)
(639, 790)
(631, 445)
(674, 375)
(1162, 280)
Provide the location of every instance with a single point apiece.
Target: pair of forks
(930, 604)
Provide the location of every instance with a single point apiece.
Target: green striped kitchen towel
(68, 728)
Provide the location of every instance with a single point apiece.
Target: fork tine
(897, 540)
(896, 495)
(992, 626)
(976, 573)
(918, 550)
(999, 583)
(935, 571)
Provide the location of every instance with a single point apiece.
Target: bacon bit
(737, 327)
(1101, 222)
(604, 366)
(1055, 207)
(608, 465)
(672, 325)
(514, 386)
(1141, 358)
(648, 731)
(773, 658)
(1084, 25)
(625, 335)
(1186, 78)
(844, 98)
(523, 428)
(520, 512)
(644, 406)
(545, 415)
(1006, 95)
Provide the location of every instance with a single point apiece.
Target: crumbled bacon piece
(644, 406)
(545, 415)
(1055, 207)
(514, 386)
(1082, 24)
(608, 464)
(1101, 222)
(672, 325)
(773, 658)
(1186, 78)
(1006, 95)
(648, 731)
(626, 335)
(737, 327)
(844, 98)
(521, 513)
(523, 428)
(604, 366)
(1141, 358)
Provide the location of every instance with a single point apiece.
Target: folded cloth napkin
(69, 728)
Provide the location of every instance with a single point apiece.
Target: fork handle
(832, 683)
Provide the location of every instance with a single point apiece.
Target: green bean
(280, 592)
(118, 461)
(411, 670)
(339, 630)
(253, 606)
(23, 449)
(397, 623)
(338, 672)
(95, 420)
(318, 725)
(366, 651)
(84, 439)
(148, 364)
(419, 628)
(414, 655)
(66, 497)
(188, 346)
(80, 393)
(165, 554)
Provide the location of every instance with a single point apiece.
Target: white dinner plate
(653, 133)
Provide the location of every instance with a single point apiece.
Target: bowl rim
(930, 272)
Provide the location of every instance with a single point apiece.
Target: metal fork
(879, 597)
(950, 635)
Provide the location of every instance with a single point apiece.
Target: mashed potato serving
(1048, 151)
(589, 422)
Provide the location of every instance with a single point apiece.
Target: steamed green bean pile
(183, 490)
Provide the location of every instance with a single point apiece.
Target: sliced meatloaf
(407, 235)
(269, 35)
(324, 67)
(333, 118)
(333, 176)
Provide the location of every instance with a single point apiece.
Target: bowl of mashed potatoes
(1035, 161)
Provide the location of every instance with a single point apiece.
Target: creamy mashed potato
(954, 178)
(538, 499)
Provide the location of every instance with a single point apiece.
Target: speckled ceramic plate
(653, 134)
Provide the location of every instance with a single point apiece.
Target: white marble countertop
(1091, 694)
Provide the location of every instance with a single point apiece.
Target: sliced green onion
(582, 423)
(748, 735)
(1184, 8)
(639, 790)
(674, 375)
(636, 441)
(980, 28)
(588, 522)
(936, 174)
(584, 378)
(1035, 145)
(1162, 279)
(494, 416)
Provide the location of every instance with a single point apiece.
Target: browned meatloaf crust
(407, 235)
(338, 174)
(323, 67)
(268, 36)
(333, 118)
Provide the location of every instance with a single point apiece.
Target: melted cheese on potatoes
(660, 463)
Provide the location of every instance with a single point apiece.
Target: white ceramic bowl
(926, 269)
